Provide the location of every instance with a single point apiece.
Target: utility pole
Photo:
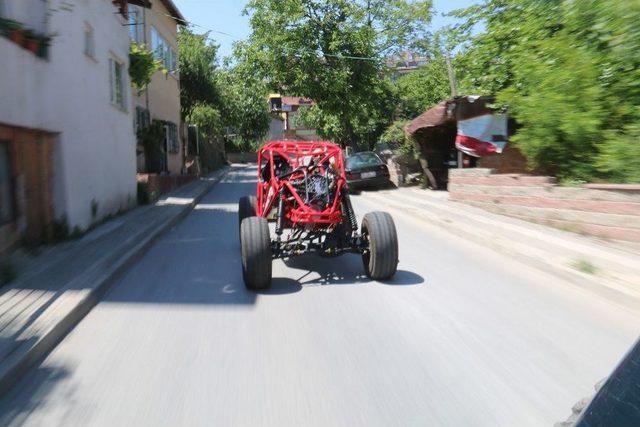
(454, 93)
(452, 76)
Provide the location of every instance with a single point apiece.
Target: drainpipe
(144, 40)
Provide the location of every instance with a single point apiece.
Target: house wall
(163, 93)
(602, 210)
(69, 95)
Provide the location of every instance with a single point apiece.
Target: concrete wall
(156, 185)
(69, 95)
(511, 160)
(162, 96)
(242, 157)
(602, 210)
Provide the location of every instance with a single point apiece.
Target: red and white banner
(482, 135)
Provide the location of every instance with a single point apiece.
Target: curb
(28, 354)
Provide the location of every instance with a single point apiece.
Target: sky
(225, 16)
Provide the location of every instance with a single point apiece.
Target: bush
(569, 72)
(142, 66)
(145, 194)
(396, 138)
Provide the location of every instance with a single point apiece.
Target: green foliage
(422, 89)
(225, 103)
(240, 145)
(207, 119)
(142, 66)
(245, 109)
(145, 194)
(561, 111)
(619, 154)
(585, 266)
(569, 72)
(197, 65)
(151, 138)
(396, 137)
(311, 48)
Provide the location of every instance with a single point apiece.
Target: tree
(568, 70)
(219, 101)
(332, 51)
(197, 65)
(422, 89)
(245, 109)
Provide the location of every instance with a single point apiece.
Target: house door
(7, 202)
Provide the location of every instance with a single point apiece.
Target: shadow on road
(343, 270)
(18, 403)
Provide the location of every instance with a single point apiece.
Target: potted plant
(31, 41)
(14, 31)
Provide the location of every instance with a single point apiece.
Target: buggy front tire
(246, 208)
(255, 243)
(380, 259)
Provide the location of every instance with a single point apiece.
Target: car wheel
(255, 243)
(380, 259)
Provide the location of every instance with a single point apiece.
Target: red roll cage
(298, 154)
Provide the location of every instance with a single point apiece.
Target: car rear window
(362, 159)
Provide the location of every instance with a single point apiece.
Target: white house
(67, 143)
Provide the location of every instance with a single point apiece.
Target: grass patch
(585, 266)
(7, 273)
(571, 182)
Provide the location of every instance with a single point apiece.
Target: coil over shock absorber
(280, 220)
(348, 209)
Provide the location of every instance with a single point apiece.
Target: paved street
(461, 336)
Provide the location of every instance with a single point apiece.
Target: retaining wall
(154, 185)
(242, 157)
(610, 211)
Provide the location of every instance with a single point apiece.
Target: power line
(332, 55)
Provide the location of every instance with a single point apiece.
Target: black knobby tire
(381, 258)
(246, 208)
(255, 244)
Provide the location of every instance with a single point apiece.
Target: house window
(163, 51)
(89, 41)
(117, 83)
(6, 189)
(135, 24)
(171, 137)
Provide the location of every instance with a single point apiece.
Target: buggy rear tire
(255, 244)
(246, 208)
(380, 259)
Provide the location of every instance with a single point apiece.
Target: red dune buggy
(303, 189)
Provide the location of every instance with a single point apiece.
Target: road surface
(460, 337)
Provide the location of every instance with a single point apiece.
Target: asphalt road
(460, 337)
